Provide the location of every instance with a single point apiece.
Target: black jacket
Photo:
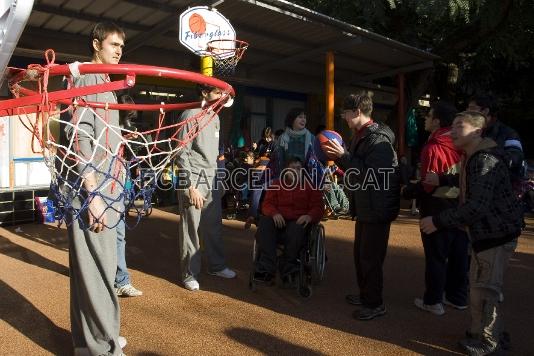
(372, 174)
(508, 140)
(490, 210)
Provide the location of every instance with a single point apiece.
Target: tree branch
(472, 35)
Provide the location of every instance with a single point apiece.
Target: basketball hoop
(152, 150)
(226, 53)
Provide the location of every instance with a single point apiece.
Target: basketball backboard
(13, 17)
(200, 25)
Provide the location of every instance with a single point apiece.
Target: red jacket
(438, 155)
(292, 204)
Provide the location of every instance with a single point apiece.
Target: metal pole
(206, 66)
(401, 115)
(329, 90)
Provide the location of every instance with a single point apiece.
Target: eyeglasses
(343, 112)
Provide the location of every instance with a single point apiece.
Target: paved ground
(226, 318)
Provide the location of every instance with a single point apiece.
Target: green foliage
(491, 42)
(473, 34)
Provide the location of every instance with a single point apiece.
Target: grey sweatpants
(94, 307)
(205, 223)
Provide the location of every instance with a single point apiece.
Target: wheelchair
(312, 261)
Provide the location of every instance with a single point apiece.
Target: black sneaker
(468, 341)
(505, 340)
(369, 313)
(263, 277)
(289, 281)
(470, 335)
(353, 299)
(478, 348)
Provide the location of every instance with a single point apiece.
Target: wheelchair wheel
(252, 282)
(305, 291)
(132, 210)
(148, 212)
(316, 247)
(304, 285)
(254, 251)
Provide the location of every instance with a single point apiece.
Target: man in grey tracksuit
(199, 200)
(86, 171)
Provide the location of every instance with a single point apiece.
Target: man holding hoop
(96, 208)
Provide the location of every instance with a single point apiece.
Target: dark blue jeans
(446, 266)
(122, 277)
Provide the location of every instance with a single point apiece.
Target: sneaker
(84, 351)
(475, 347)
(289, 281)
(263, 277)
(128, 291)
(122, 342)
(353, 299)
(455, 306)
(469, 340)
(369, 313)
(436, 309)
(505, 340)
(192, 285)
(225, 273)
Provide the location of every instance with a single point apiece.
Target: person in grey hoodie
(493, 219)
(199, 199)
(97, 204)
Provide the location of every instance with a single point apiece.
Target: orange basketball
(320, 141)
(197, 24)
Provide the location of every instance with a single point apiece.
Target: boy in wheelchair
(290, 207)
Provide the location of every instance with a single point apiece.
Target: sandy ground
(225, 317)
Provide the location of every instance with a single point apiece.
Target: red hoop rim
(130, 71)
(239, 48)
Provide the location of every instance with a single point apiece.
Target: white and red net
(126, 163)
(226, 54)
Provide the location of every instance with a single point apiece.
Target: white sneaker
(84, 351)
(225, 273)
(436, 309)
(192, 285)
(122, 342)
(128, 291)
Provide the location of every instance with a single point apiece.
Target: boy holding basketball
(371, 151)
